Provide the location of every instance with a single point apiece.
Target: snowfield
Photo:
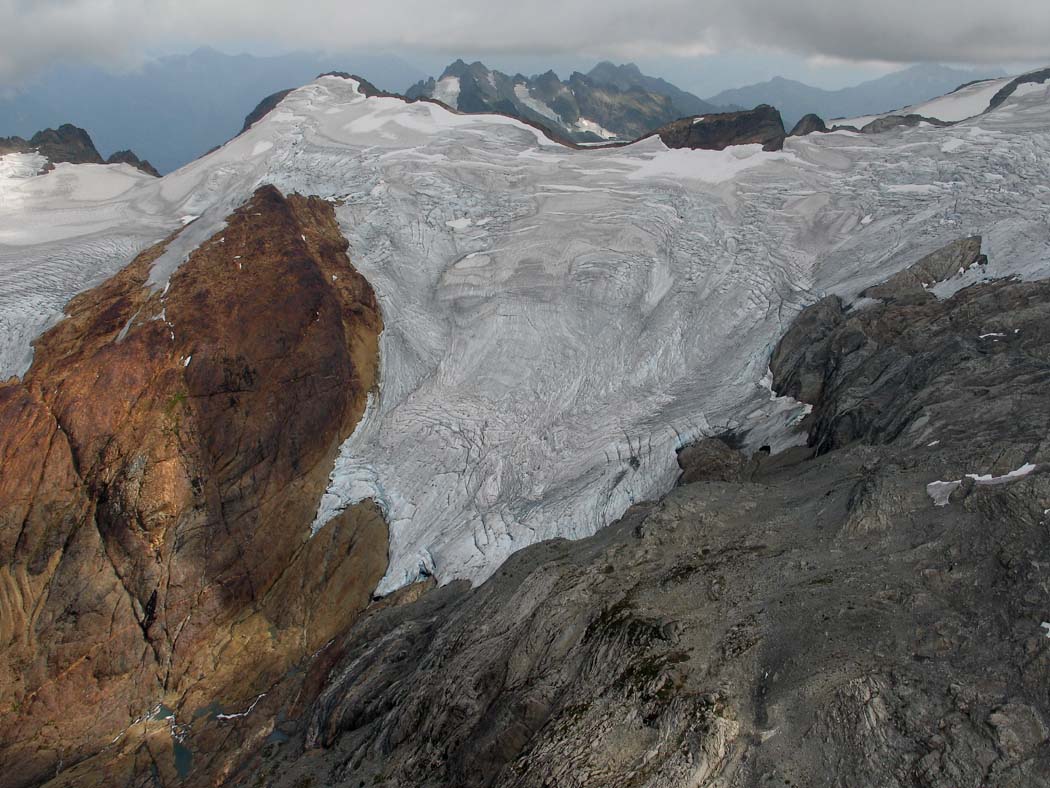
(966, 102)
(558, 321)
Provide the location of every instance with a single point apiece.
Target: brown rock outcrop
(911, 283)
(162, 462)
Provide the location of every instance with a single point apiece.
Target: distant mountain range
(893, 91)
(176, 108)
(608, 103)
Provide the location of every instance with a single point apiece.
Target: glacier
(558, 321)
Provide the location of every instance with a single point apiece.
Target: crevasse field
(558, 321)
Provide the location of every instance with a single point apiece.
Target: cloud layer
(34, 33)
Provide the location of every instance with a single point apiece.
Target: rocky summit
(397, 444)
(608, 103)
(70, 145)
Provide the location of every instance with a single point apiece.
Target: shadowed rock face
(128, 157)
(1033, 77)
(619, 99)
(889, 122)
(810, 618)
(946, 262)
(162, 462)
(263, 108)
(808, 124)
(69, 144)
(963, 374)
(760, 125)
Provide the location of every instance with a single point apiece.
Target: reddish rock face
(162, 462)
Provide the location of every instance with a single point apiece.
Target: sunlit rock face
(162, 461)
(557, 322)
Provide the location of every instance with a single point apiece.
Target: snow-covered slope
(557, 321)
(59, 233)
(966, 102)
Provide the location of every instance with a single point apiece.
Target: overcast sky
(842, 34)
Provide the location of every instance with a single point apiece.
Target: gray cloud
(37, 32)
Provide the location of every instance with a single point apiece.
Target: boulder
(710, 459)
(761, 125)
(809, 124)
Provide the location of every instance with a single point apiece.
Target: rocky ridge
(163, 458)
(69, 144)
(544, 686)
(608, 103)
(810, 618)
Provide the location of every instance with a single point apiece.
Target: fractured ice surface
(557, 321)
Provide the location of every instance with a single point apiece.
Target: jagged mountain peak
(610, 72)
(610, 102)
(69, 144)
(556, 324)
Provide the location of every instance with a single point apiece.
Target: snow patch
(353, 479)
(585, 125)
(244, 713)
(460, 224)
(711, 166)
(521, 92)
(940, 491)
(447, 91)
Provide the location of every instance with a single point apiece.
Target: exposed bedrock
(162, 463)
(808, 124)
(67, 143)
(889, 122)
(73, 145)
(1039, 76)
(129, 157)
(761, 125)
(911, 283)
(810, 618)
